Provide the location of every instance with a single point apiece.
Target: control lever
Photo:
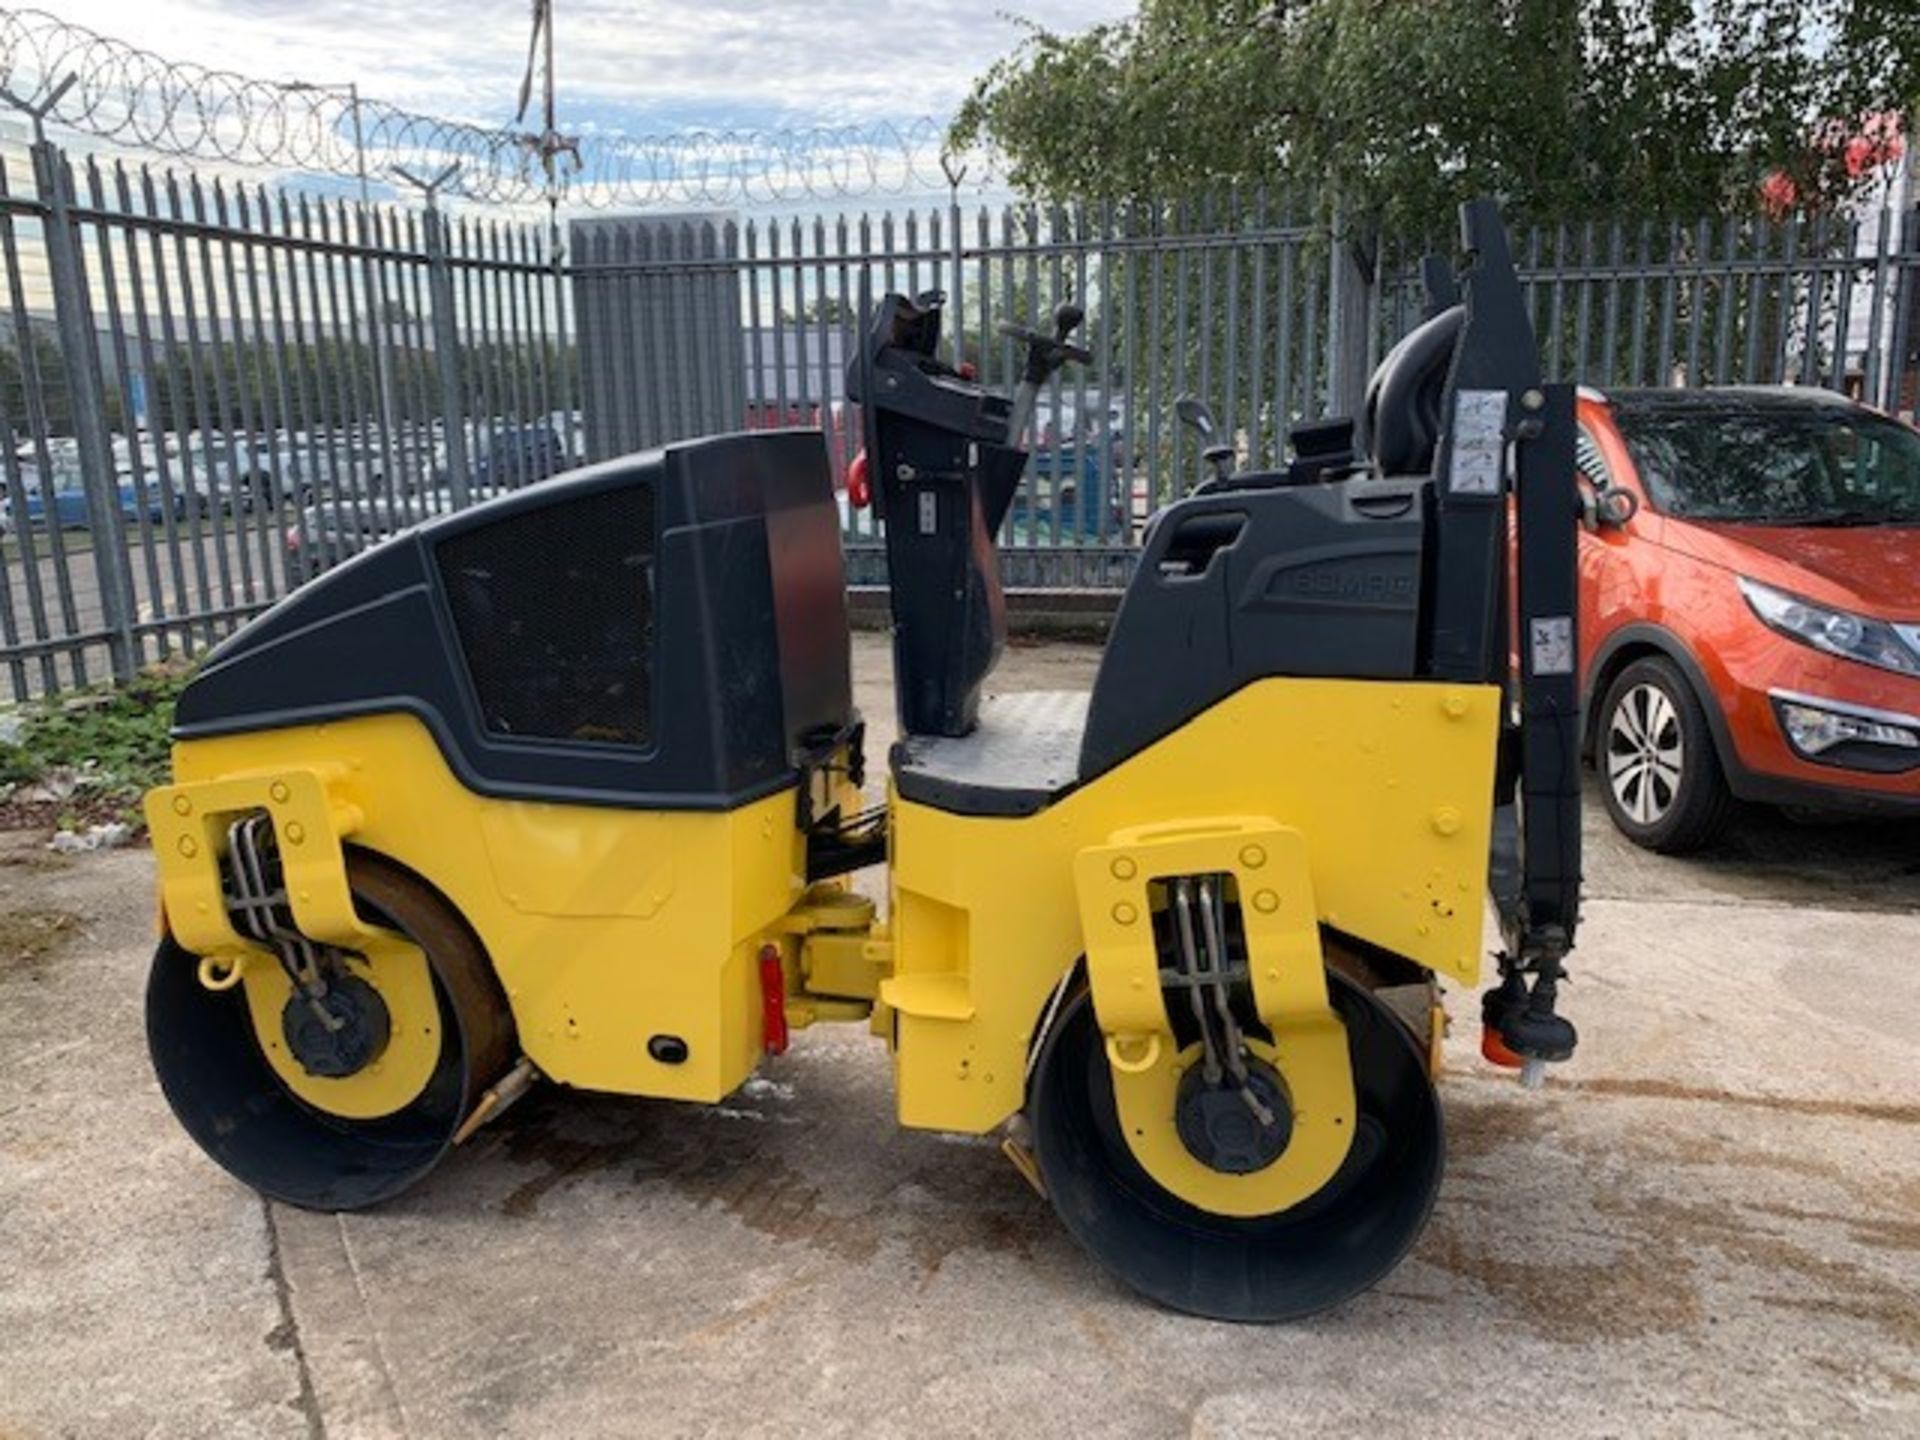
(1195, 415)
(1045, 355)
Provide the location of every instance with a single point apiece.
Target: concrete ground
(1708, 1224)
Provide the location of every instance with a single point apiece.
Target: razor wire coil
(137, 99)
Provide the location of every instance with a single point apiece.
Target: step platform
(1022, 756)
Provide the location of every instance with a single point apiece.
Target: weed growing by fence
(88, 757)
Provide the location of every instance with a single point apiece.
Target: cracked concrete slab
(134, 1299)
(1708, 1225)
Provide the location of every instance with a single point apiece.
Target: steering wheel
(1047, 353)
(1027, 335)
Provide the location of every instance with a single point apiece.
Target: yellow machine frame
(608, 926)
(1377, 827)
(604, 926)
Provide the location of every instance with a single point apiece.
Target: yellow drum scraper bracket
(189, 825)
(1264, 867)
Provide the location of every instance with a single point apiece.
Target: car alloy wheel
(1646, 751)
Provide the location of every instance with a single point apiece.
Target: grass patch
(73, 542)
(87, 757)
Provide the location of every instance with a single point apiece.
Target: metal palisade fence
(212, 392)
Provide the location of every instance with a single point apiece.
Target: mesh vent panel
(554, 608)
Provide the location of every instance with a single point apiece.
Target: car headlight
(1857, 737)
(1838, 632)
(1816, 729)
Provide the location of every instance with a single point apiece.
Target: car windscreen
(1774, 464)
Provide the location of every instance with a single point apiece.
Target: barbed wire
(140, 100)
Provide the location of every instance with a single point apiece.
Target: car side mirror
(1608, 509)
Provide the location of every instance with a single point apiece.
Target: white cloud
(662, 64)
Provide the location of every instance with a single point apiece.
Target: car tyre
(1660, 775)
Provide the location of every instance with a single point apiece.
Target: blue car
(1084, 509)
(70, 502)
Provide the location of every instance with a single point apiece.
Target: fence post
(956, 298)
(1349, 285)
(1903, 346)
(446, 332)
(446, 355)
(86, 384)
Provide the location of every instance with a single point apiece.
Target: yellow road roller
(569, 787)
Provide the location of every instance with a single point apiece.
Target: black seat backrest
(1406, 395)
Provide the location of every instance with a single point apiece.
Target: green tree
(826, 310)
(52, 388)
(332, 382)
(1394, 109)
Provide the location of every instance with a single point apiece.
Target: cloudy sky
(640, 66)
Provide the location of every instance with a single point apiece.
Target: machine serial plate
(1479, 446)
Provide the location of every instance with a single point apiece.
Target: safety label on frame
(1552, 637)
(1479, 442)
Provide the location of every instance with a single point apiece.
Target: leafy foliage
(334, 382)
(1397, 108)
(256, 384)
(114, 739)
(46, 362)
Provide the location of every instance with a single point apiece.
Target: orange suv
(1750, 618)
